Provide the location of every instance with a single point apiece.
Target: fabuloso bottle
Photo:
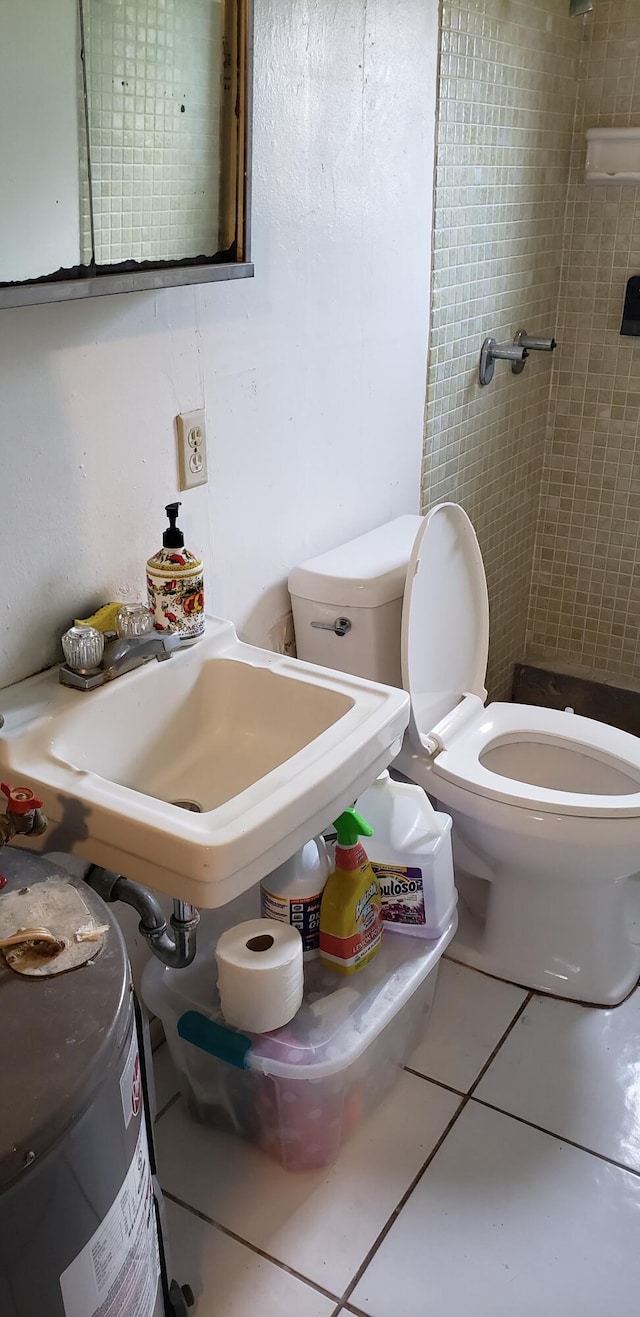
(411, 857)
(350, 912)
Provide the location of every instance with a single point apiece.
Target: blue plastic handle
(227, 1044)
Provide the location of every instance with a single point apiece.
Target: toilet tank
(347, 603)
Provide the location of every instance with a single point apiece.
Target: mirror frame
(150, 276)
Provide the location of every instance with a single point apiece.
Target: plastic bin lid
(340, 1015)
(363, 573)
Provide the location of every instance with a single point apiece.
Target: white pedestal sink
(268, 749)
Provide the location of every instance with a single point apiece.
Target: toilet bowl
(545, 804)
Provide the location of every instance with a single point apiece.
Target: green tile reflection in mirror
(154, 77)
(125, 144)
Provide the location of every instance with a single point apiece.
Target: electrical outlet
(192, 449)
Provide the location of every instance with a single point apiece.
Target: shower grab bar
(492, 352)
(532, 343)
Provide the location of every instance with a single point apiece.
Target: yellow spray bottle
(350, 912)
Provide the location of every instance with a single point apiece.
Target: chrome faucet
(129, 652)
(91, 663)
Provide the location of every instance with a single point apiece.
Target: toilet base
(591, 959)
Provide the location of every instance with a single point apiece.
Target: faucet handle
(134, 620)
(20, 800)
(83, 648)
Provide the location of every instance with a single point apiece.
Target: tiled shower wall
(507, 99)
(585, 603)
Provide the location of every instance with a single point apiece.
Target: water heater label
(117, 1272)
(131, 1082)
(402, 894)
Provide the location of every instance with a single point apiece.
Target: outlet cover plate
(192, 449)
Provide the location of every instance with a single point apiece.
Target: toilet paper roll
(260, 974)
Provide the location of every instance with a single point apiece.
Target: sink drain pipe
(178, 951)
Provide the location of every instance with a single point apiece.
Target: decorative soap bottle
(175, 583)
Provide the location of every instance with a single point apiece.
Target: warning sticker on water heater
(402, 893)
(131, 1082)
(116, 1274)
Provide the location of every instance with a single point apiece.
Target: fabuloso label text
(402, 892)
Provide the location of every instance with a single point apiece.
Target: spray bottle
(350, 912)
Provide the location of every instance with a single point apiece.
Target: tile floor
(501, 1178)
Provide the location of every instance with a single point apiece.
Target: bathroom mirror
(124, 153)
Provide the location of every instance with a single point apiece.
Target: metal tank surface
(79, 1207)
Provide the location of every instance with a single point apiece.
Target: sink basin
(200, 774)
(201, 732)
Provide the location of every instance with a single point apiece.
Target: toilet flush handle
(340, 627)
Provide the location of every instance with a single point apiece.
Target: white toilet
(545, 805)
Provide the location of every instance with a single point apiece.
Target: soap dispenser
(175, 583)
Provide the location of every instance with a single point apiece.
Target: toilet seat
(445, 621)
(572, 766)
(598, 751)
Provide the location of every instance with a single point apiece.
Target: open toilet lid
(445, 617)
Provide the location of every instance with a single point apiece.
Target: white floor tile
(321, 1223)
(469, 1017)
(574, 1070)
(228, 1280)
(508, 1222)
(165, 1076)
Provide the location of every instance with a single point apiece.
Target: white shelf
(613, 155)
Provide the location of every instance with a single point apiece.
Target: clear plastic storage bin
(301, 1091)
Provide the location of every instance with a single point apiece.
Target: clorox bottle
(350, 912)
(292, 893)
(411, 857)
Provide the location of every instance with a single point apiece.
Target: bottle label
(302, 912)
(177, 602)
(402, 892)
(350, 858)
(351, 952)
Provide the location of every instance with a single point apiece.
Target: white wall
(39, 138)
(312, 374)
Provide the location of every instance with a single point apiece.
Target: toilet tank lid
(363, 573)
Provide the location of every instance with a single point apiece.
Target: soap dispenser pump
(175, 583)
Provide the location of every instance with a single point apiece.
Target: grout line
(462, 964)
(464, 1099)
(581, 1147)
(397, 1210)
(268, 1257)
(461, 1092)
(521, 1009)
(429, 1079)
